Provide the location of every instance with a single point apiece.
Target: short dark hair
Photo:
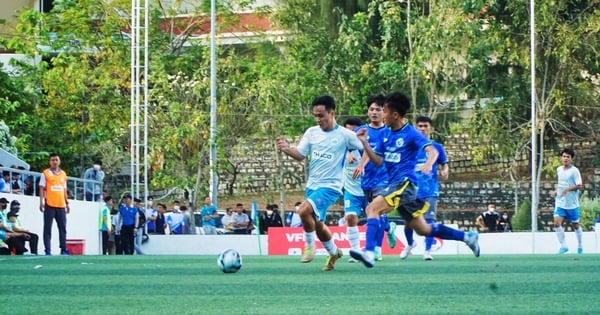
(378, 99)
(398, 102)
(568, 151)
(324, 100)
(53, 154)
(107, 198)
(99, 162)
(353, 121)
(424, 119)
(298, 203)
(239, 204)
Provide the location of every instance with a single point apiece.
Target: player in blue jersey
(326, 146)
(429, 188)
(373, 176)
(354, 197)
(398, 151)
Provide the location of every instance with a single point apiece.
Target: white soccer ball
(229, 261)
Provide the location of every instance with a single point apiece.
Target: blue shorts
(354, 204)
(403, 196)
(430, 214)
(320, 200)
(570, 214)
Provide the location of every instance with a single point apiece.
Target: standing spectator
(187, 220)
(504, 224)
(209, 216)
(175, 219)
(140, 226)
(269, 218)
(488, 221)
(227, 220)
(325, 145)
(116, 235)
(150, 215)
(17, 185)
(567, 200)
(241, 221)
(13, 218)
(293, 219)
(106, 223)
(128, 220)
(54, 203)
(93, 191)
(160, 222)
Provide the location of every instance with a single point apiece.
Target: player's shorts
(570, 214)
(320, 200)
(430, 214)
(354, 204)
(403, 196)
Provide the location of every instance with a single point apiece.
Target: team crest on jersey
(400, 142)
(335, 141)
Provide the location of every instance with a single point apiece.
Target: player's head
(395, 108)
(352, 122)
(567, 155)
(324, 111)
(424, 125)
(375, 108)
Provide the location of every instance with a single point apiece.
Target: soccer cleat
(362, 257)
(47, 252)
(391, 235)
(378, 256)
(579, 250)
(407, 250)
(352, 260)
(308, 255)
(427, 256)
(563, 250)
(331, 259)
(65, 252)
(472, 242)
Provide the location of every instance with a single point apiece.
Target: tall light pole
(534, 183)
(214, 178)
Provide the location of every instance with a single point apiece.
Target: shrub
(521, 221)
(589, 212)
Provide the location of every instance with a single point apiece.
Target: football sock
(372, 230)
(579, 234)
(447, 233)
(353, 237)
(330, 247)
(380, 234)
(428, 239)
(560, 234)
(309, 238)
(408, 232)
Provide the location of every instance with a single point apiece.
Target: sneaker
(472, 242)
(378, 256)
(391, 235)
(427, 256)
(362, 257)
(331, 259)
(563, 250)
(308, 255)
(579, 250)
(407, 250)
(352, 260)
(47, 252)
(65, 252)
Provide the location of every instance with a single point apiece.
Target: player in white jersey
(355, 202)
(567, 199)
(326, 146)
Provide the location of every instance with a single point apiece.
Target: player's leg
(429, 219)
(320, 200)
(559, 217)
(378, 206)
(306, 214)
(410, 242)
(573, 216)
(383, 226)
(353, 206)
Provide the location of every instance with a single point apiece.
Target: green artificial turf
(499, 284)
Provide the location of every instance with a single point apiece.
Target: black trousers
(104, 242)
(60, 216)
(128, 239)
(17, 244)
(33, 242)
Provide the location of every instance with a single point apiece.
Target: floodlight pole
(214, 178)
(534, 129)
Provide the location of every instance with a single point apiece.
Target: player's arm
(445, 171)
(284, 146)
(373, 157)
(432, 155)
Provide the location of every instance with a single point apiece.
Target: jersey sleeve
(304, 146)
(442, 157)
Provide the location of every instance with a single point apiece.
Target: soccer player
(354, 197)
(567, 199)
(429, 189)
(326, 145)
(373, 176)
(398, 150)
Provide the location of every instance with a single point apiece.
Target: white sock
(353, 237)
(579, 234)
(309, 238)
(378, 249)
(560, 234)
(370, 255)
(330, 247)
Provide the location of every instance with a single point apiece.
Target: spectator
(106, 223)
(160, 223)
(269, 218)
(13, 218)
(175, 219)
(504, 224)
(128, 221)
(293, 219)
(209, 216)
(140, 226)
(54, 203)
(15, 241)
(116, 235)
(187, 220)
(241, 221)
(488, 221)
(17, 185)
(5, 182)
(93, 191)
(227, 220)
(150, 215)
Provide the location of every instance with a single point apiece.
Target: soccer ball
(229, 261)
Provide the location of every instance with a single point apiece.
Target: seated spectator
(270, 218)
(5, 182)
(227, 220)
(504, 224)
(15, 224)
(17, 185)
(241, 221)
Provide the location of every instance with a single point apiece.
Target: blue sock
(408, 232)
(372, 231)
(429, 239)
(383, 222)
(446, 233)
